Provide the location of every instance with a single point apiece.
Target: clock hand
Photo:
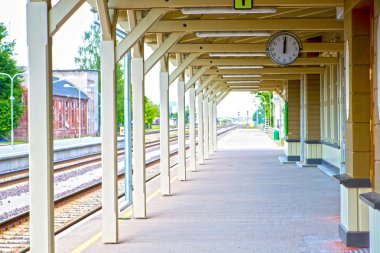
(284, 50)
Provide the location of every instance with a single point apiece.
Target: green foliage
(152, 111)
(267, 98)
(187, 115)
(8, 65)
(174, 115)
(226, 121)
(89, 52)
(89, 58)
(120, 94)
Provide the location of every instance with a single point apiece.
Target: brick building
(65, 111)
(87, 81)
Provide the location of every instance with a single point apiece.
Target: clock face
(284, 48)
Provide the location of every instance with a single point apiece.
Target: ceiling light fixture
(240, 67)
(241, 76)
(201, 11)
(237, 54)
(245, 81)
(249, 87)
(232, 34)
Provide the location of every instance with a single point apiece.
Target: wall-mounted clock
(284, 48)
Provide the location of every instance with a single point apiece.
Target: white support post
(41, 176)
(200, 129)
(192, 128)
(211, 127)
(215, 126)
(181, 130)
(164, 133)
(206, 129)
(109, 144)
(139, 188)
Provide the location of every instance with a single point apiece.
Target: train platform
(241, 200)
(22, 149)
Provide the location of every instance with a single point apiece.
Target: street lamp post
(12, 101)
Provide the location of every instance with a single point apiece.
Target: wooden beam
(262, 82)
(223, 91)
(161, 51)
(175, 74)
(248, 47)
(148, 4)
(61, 12)
(283, 70)
(263, 77)
(138, 49)
(139, 31)
(204, 84)
(216, 92)
(220, 25)
(223, 97)
(263, 61)
(105, 21)
(209, 90)
(164, 62)
(195, 77)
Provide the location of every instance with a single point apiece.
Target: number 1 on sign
(243, 4)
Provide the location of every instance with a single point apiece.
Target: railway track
(68, 211)
(19, 176)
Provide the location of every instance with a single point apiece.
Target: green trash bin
(276, 135)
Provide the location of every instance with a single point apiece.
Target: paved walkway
(241, 200)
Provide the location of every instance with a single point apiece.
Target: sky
(67, 40)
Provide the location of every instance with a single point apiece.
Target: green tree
(152, 111)
(265, 103)
(187, 115)
(89, 58)
(8, 65)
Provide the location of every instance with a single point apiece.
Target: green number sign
(243, 4)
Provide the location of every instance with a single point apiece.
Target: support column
(109, 144)
(354, 224)
(292, 143)
(192, 128)
(200, 129)
(311, 148)
(181, 129)
(211, 127)
(206, 129)
(139, 188)
(215, 117)
(326, 99)
(40, 129)
(164, 133)
(372, 199)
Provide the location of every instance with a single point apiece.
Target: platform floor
(241, 200)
